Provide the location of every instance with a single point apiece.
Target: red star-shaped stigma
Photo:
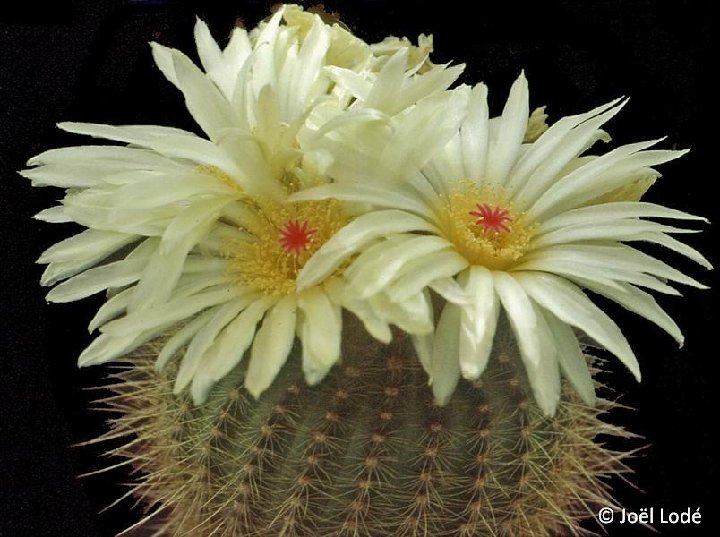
(295, 237)
(492, 219)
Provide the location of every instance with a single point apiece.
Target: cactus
(364, 453)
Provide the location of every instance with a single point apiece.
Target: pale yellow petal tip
(201, 387)
(180, 385)
(549, 410)
(254, 390)
(66, 126)
(470, 371)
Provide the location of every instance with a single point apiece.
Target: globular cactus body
(364, 453)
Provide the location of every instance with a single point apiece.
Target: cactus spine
(364, 453)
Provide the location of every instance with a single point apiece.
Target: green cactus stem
(364, 453)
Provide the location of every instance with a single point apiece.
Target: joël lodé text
(652, 515)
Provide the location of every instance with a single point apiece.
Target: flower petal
(544, 375)
(545, 159)
(445, 366)
(640, 302)
(235, 339)
(352, 238)
(272, 345)
(474, 134)
(204, 338)
(521, 314)
(321, 333)
(503, 152)
(571, 359)
(481, 320)
(570, 305)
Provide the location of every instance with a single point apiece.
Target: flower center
(484, 226)
(281, 237)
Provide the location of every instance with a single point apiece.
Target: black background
(89, 61)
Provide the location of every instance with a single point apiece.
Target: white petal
(449, 289)
(54, 215)
(570, 305)
(94, 280)
(115, 306)
(619, 230)
(205, 337)
(236, 339)
(503, 152)
(264, 65)
(373, 322)
(307, 68)
(208, 49)
(353, 237)
(577, 267)
(674, 245)
(445, 367)
(412, 144)
(272, 345)
(254, 172)
(321, 333)
(210, 109)
(639, 302)
(369, 275)
(544, 375)
(521, 314)
(379, 196)
(165, 267)
(181, 338)
(91, 243)
(432, 81)
(171, 312)
(481, 321)
(618, 260)
(358, 85)
(424, 348)
(601, 175)
(422, 271)
(571, 359)
(414, 315)
(390, 78)
(609, 212)
(544, 161)
(105, 347)
(474, 135)
(211, 57)
(165, 140)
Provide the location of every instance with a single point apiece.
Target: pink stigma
(296, 237)
(492, 219)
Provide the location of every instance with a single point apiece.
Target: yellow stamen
(262, 262)
(497, 250)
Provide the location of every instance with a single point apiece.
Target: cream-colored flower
(197, 235)
(496, 224)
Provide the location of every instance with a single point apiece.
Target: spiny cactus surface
(364, 453)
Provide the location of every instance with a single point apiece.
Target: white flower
(198, 233)
(521, 227)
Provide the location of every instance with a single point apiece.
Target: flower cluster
(340, 175)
